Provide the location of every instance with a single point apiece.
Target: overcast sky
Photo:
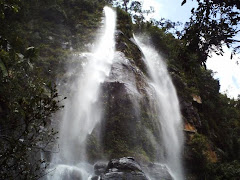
(226, 70)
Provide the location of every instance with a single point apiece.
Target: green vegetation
(216, 146)
(27, 101)
(36, 39)
(219, 131)
(213, 24)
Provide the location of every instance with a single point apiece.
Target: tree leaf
(3, 68)
(184, 1)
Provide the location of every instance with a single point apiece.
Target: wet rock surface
(124, 164)
(158, 172)
(126, 97)
(127, 168)
(190, 113)
(124, 168)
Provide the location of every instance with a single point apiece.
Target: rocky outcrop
(119, 169)
(129, 127)
(189, 102)
(124, 164)
(128, 168)
(124, 168)
(190, 113)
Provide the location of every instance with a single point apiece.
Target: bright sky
(226, 70)
(170, 9)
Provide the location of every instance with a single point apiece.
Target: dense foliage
(213, 24)
(212, 151)
(27, 101)
(36, 37)
(35, 40)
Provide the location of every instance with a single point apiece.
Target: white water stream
(82, 110)
(168, 109)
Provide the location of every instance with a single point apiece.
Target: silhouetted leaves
(184, 1)
(26, 102)
(212, 25)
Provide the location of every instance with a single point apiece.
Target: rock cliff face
(129, 127)
(60, 29)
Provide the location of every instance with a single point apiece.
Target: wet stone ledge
(127, 168)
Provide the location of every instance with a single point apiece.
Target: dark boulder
(124, 164)
(190, 113)
(124, 168)
(127, 168)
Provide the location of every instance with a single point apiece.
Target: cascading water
(82, 111)
(168, 109)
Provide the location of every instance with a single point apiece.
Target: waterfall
(168, 108)
(82, 110)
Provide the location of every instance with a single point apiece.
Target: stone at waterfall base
(127, 168)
